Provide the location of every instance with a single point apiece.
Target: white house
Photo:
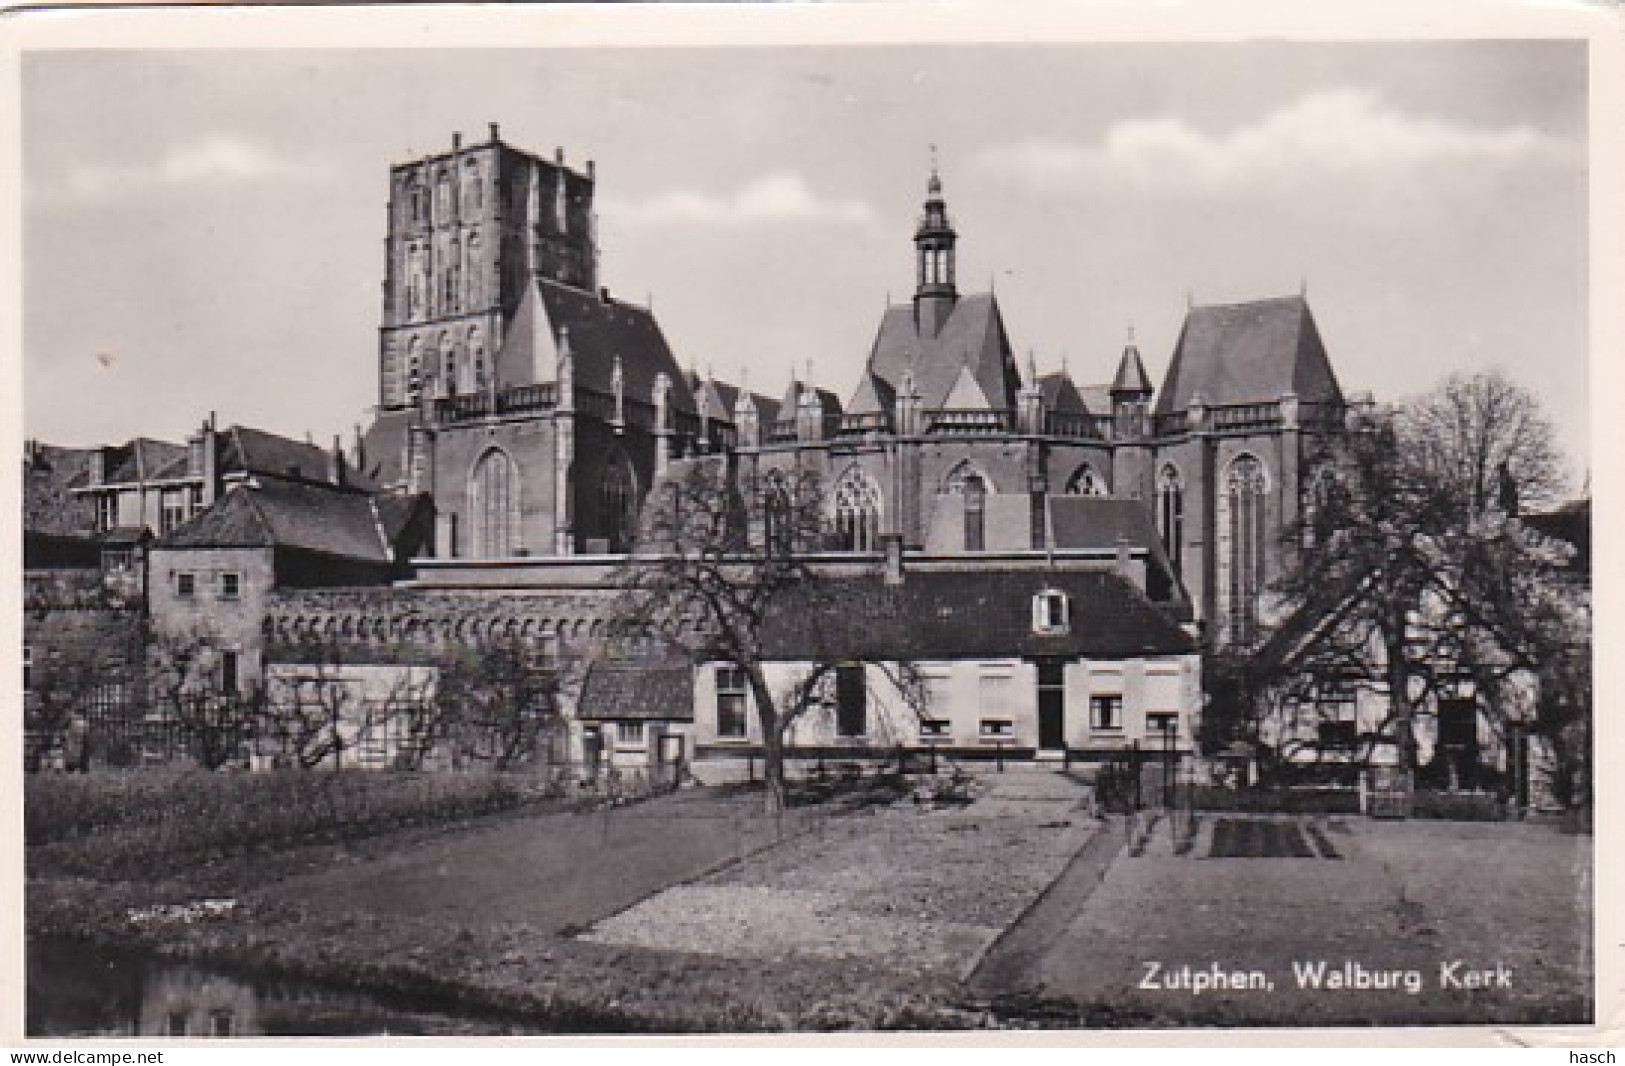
(977, 663)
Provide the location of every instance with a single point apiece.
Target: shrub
(125, 823)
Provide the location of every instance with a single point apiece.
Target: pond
(79, 991)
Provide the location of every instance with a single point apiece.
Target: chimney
(456, 142)
(496, 132)
(592, 170)
(335, 462)
(98, 466)
(892, 545)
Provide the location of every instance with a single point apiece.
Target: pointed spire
(1131, 382)
(934, 186)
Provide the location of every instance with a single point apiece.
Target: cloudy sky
(203, 231)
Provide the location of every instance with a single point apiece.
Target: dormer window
(1052, 612)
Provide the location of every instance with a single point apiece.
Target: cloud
(775, 198)
(1345, 133)
(216, 160)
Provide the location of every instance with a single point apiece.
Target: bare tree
(1483, 442)
(497, 703)
(1410, 545)
(214, 711)
(715, 563)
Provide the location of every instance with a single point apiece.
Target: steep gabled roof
(1131, 375)
(600, 329)
(967, 614)
(145, 459)
(875, 396)
(273, 513)
(966, 394)
(1061, 394)
(50, 474)
(973, 333)
(244, 450)
(383, 447)
(1248, 353)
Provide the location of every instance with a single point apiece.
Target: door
(1051, 706)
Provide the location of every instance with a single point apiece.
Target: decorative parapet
(403, 624)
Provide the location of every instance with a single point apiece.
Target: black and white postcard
(794, 519)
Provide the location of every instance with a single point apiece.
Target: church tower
(467, 231)
(934, 294)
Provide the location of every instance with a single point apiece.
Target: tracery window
(1171, 515)
(1086, 482)
(494, 505)
(1243, 539)
(857, 512)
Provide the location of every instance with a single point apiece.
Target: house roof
(273, 513)
(144, 459)
(973, 334)
(1248, 353)
(245, 450)
(50, 474)
(383, 448)
(1061, 394)
(1084, 522)
(600, 328)
(965, 614)
(639, 691)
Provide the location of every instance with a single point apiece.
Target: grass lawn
(1400, 896)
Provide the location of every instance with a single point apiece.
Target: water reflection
(74, 990)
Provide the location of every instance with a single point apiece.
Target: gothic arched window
(494, 506)
(1086, 482)
(617, 503)
(1243, 541)
(778, 532)
(857, 512)
(1171, 515)
(476, 273)
(448, 366)
(975, 494)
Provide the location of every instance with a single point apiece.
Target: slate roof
(383, 447)
(245, 450)
(1248, 353)
(50, 474)
(288, 514)
(787, 406)
(1081, 522)
(144, 459)
(973, 333)
(660, 691)
(1131, 375)
(875, 396)
(967, 614)
(600, 327)
(1060, 394)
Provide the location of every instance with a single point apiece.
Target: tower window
(1242, 555)
(494, 503)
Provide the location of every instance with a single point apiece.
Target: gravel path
(909, 890)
